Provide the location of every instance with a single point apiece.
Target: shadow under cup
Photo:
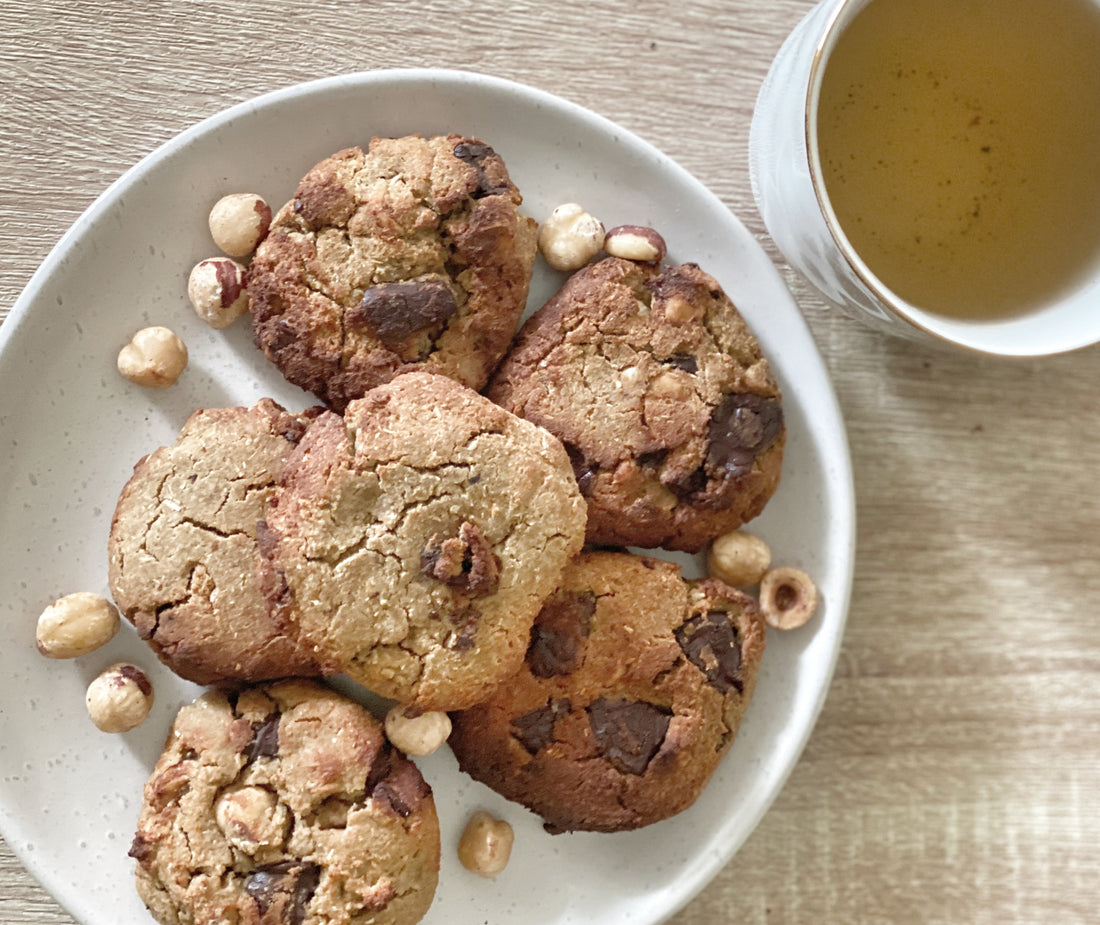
(933, 167)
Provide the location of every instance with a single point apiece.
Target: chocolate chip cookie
(284, 803)
(658, 389)
(183, 555)
(412, 542)
(410, 254)
(633, 688)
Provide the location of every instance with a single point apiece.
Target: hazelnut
(238, 222)
(788, 598)
(635, 242)
(75, 625)
(570, 237)
(252, 818)
(417, 733)
(120, 698)
(216, 290)
(485, 845)
(155, 357)
(739, 559)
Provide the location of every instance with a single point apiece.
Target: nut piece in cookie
(633, 688)
(411, 254)
(411, 542)
(183, 553)
(659, 391)
(257, 812)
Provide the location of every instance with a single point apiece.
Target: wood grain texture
(954, 776)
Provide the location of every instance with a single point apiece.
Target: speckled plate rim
(550, 146)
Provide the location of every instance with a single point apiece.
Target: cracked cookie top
(257, 811)
(633, 688)
(657, 388)
(410, 254)
(412, 542)
(183, 556)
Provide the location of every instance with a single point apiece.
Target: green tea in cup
(959, 147)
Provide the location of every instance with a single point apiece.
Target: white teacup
(789, 183)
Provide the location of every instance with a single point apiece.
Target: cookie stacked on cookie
(184, 562)
(408, 543)
(414, 539)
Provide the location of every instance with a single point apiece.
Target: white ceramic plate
(71, 429)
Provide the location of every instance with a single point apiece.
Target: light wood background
(954, 776)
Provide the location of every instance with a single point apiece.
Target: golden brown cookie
(411, 254)
(632, 690)
(412, 541)
(284, 803)
(183, 557)
(658, 389)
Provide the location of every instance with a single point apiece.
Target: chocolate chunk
(395, 783)
(559, 634)
(473, 153)
(466, 621)
(385, 793)
(652, 460)
(476, 154)
(741, 428)
(140, 848)
(684, 361)
(285, 887)
(628, 733)
(265, 739)
(535, 730)
(583, 471)
(688, 485)
(711, 643)
(380, 767)
(464, 561)
(395, 311)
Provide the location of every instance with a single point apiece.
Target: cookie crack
(251, 489)
(210, 528)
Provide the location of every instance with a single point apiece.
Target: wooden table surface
(954, 775)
